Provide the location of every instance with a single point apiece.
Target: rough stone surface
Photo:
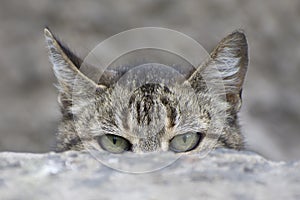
(223, 174)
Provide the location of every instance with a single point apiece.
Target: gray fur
(150, 115)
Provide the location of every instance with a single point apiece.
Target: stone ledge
(223, 174)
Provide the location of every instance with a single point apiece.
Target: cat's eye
(114, 143)
(185, 142)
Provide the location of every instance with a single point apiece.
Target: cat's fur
(151, 115)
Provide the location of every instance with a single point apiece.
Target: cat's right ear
(226, 67)
(71, 81)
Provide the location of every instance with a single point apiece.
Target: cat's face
(152, 117)
(181, 117)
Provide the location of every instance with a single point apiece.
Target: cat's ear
(228, 62)
(71, 81)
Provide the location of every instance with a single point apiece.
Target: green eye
(114, 143)
(185, 142)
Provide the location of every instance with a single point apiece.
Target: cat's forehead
(153, 94)
(152, 109)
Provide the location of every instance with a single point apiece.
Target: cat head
(142, 116)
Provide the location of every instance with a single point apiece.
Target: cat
(154, 116)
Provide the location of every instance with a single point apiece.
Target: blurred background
(271, 108)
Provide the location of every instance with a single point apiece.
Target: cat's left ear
(230, 60)
(65, 64)
(72, 83)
